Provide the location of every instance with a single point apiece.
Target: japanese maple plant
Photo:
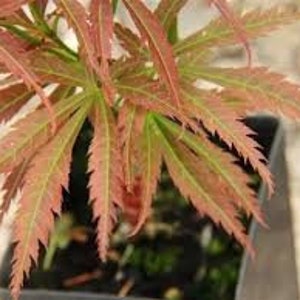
(145, 107)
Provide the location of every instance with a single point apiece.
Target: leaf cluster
(145, 108)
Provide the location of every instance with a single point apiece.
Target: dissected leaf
(236, 23)
(132, 202)
(13, 183)
(256, 89)
(221, 166)
(49, 68)
(256, 23)
(130, 123)
(41, 197)
(102, 31)
(12, 98)
(218, 118)
(129, 40)
(195, 182)
(167, 11)
(7, 7)
(33, 132)
(154, 97)
(161, 50)
(150, 165)
(77, 17)
(18, 65)
(106, 179)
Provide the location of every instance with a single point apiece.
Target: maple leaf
(129, 41)
(218, 118)
(13, 183)
(106, 173)
(152, 96)
(48, 171)
(12, 98)
(78, 18)
(30, 134)
(7, 7)
(167, 11)
(256, 23)
(102, 29)
(130, 125)
(16, 63)
(195, 182)
(49, 68)
(235, 23)
(255, 90)
(161, 50)
(221, 166)
(150, 164)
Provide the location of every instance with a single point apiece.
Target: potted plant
(144, 107)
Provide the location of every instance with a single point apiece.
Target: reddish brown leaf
(129, 40)
(106, 179)
(218, 118)
(150, 166)
(130, 123)
(102, 27)
(33, 132)
(41, 197)
(132, 202)
(12, 98)
(78, 18)
(221, 166)
(255, 89)
(195, 182)
(152, 96)
(17, 63)
(167, 11)
(235, 23)
(161, 50)
(13, 183)
(7, 7)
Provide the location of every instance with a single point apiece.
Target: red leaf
(218, 118)
(13, 183)
(195, 182)
(168, 10)
(17, 63)
(235, 23)
(12, 98)
(33, 132)
(78, 18)
(130, 123)
(129, 41)
(102, 32)
(161, 50)
(106, 179)
(41, 197)
(7, 7)
(150, 159)
(132, 202)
